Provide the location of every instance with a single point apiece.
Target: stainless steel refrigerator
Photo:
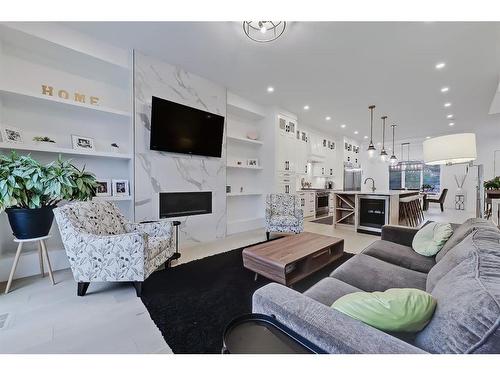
(352, 177)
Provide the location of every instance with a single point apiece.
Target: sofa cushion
(431, 238)
(454, 257)
(395, 310)
(328, 290)
(371, 274)
(400, 255)
(460, 232)
(285, 220)
(467, 317)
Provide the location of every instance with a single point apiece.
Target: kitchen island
(367, 211)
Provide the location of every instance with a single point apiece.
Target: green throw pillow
(431, 238)
(395, 310)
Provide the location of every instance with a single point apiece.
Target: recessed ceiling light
(365, 137)
(356, 132)
(445, 89)
(447, 104)
(328, 118)
(379, 143)
(427, 137)
(440, 65)
(306, 107)
(343, 126)
(451, 124)
(270, 89)
(449, 116)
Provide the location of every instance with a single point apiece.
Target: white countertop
(376, 192)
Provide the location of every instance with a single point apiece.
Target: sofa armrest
(324, 326)
(159, 228)
(399, 234)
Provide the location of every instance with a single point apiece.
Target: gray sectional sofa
(464, 277)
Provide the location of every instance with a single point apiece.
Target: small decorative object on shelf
(252, 162)
(120, 188)
(241, 189)
(228, 189)
(239, 162)
(43, 139)
(103, 187)
(115, 147)
(12, 135)
(82, 143)
(253, 135)
(76, 96)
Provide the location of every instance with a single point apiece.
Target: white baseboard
(28, 264)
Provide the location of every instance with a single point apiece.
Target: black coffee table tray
(263, 334)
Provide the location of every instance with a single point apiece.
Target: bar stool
(42, 252)
(410, 210)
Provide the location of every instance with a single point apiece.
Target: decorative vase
(30, 222)
(253, 135)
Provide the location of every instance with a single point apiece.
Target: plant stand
(42, 252)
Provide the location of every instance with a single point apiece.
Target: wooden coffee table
(292, 258)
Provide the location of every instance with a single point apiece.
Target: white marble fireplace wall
(157, 172)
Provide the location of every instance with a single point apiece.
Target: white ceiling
(339, 68)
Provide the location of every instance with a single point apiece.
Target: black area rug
(193, 302)
(325, 220)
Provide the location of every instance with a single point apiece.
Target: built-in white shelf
(244, 140)
(113, 199)
(242, 166)
(62, 102)
(238, 194)
(64, 151)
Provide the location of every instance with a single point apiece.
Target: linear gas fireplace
(185, 204)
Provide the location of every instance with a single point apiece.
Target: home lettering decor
(63, 94)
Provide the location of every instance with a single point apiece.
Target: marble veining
(157, 172)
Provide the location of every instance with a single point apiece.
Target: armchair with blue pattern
(283, 214)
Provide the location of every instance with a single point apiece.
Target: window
(411, 179)
(432, 177)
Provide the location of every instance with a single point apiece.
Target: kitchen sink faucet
(373, 183)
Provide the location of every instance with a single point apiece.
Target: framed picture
(252, 162)
(82, 143)
(120, 188)
(103, 187)
(12, 135)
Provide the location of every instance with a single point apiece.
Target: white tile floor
(110, 318)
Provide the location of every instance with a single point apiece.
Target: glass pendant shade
(383, 153)
(393, 160)
(371, 148)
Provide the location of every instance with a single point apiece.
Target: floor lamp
(457, 149)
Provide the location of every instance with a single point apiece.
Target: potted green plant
(29, 191)
(492, 187)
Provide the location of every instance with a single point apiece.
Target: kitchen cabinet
(308, 203)
(286, 183)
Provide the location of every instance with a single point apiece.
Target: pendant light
(393, 160)
(371, 148)
(383, 153)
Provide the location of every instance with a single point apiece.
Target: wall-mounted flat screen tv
(186, 130)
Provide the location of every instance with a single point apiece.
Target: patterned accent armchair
(102, 245)
(283, 214)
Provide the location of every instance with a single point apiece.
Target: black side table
(262, 334)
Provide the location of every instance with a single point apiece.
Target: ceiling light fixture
(447, 105)
(264, 31)
(445, 89)
(440, 65)
(270, 89)
(383, 152)
(451, 124)
(365, 137)
(393, 160)
(356, 132)
(306, 107)
(449, 116)
(371, 148)
(328, 118)
(427, 137)
(343, 126)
